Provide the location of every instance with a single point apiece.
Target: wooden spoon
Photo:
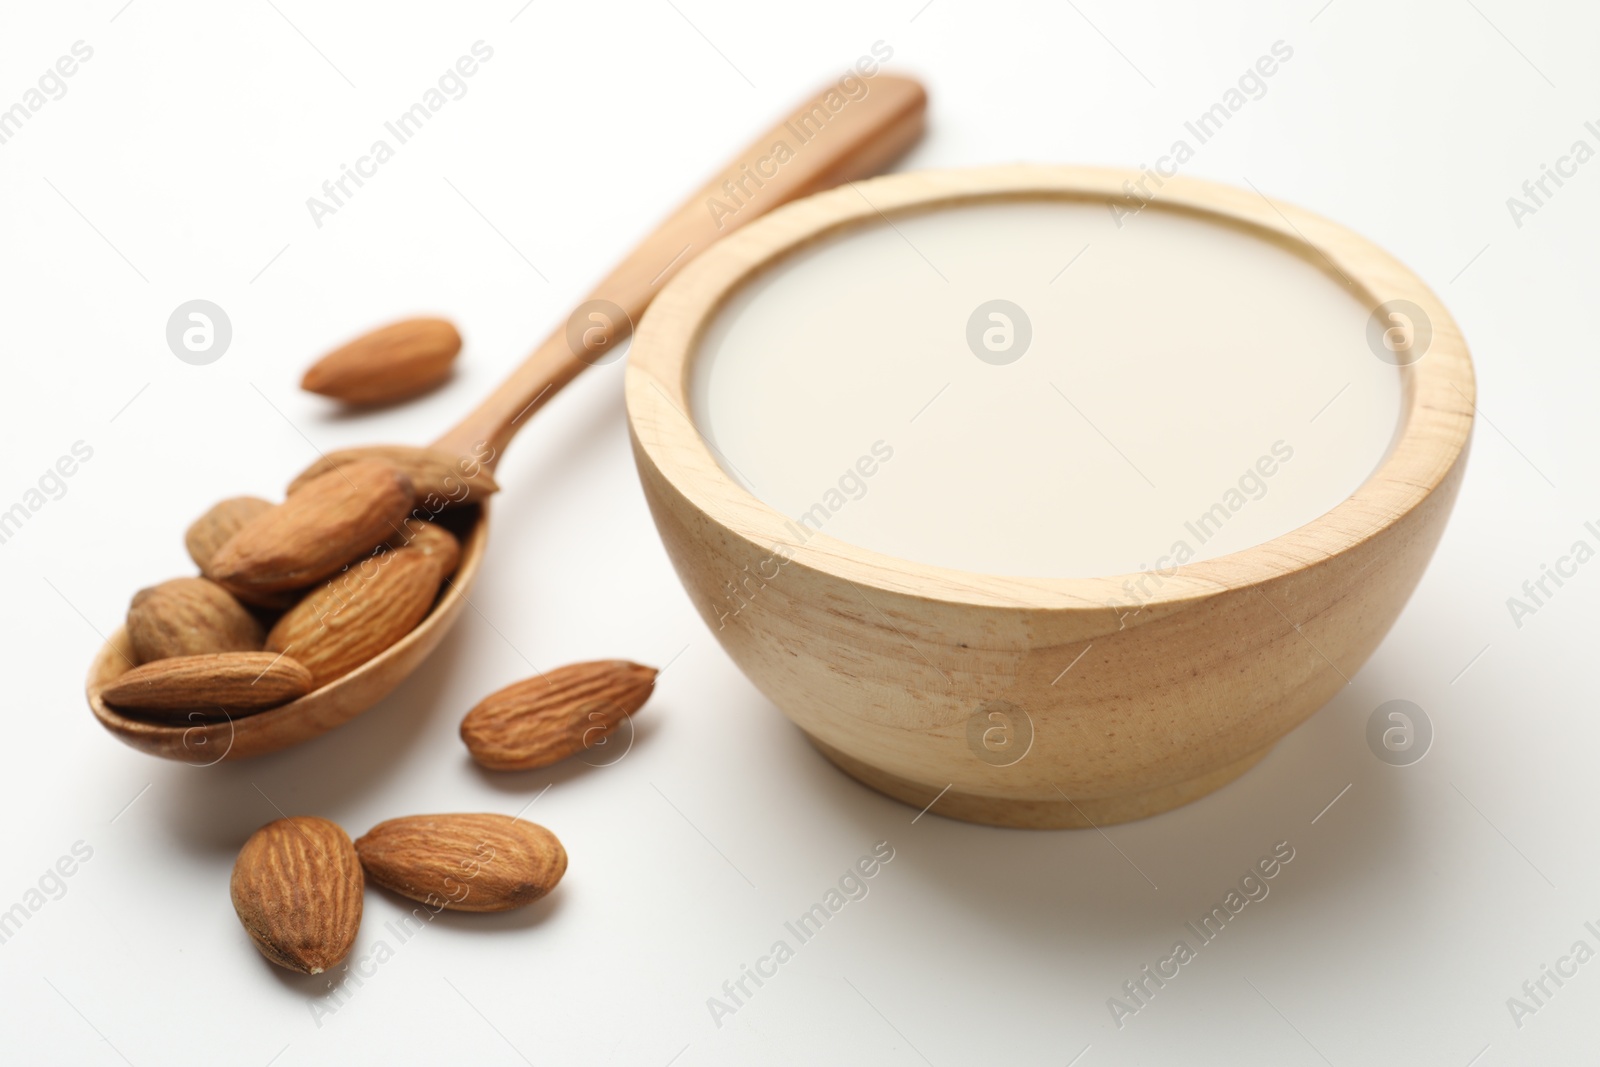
(820, 147)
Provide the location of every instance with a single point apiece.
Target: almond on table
(394, 362)
(297, 888)
(464, 862)
(545, 719)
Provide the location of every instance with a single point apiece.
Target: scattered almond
(464, 862)
(190, 617)
(297, 888)
(332, 520)
(391, 363)
(439, 479)
(215, 686)
(213, 529)
(359, 613)
(539, 721)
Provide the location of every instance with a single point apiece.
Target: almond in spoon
(297, 888)
(541, 720)
(190, 617)
(440, 479)
(356, 615)
(335, 518)
(464, 862)
(213, 529)
(212, 687)
(431, 540)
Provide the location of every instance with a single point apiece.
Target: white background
(177, 166)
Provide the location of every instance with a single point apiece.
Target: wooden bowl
(890, 666)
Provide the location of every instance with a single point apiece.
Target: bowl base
(1037, 814)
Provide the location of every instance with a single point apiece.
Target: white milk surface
(1189, 389)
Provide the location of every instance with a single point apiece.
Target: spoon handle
(829, 139)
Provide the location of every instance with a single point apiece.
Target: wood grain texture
(884, 663)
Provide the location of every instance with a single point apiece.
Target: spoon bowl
(300, 720)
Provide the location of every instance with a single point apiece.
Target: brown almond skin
(334, 519)
(433, 541)
(212, 687)
(394, 362)
(542, 720)
(440, 479)
(297, 888)
(464, 862)
(213, 529)
(358, 614)
(190, 617)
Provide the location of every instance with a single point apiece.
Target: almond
(213, 529)
(440, 479)
(215, 687)
(190, 617)
(297, 888)
(334, 519)
(433, 541)
(358, 614)
(391, 363)
(464, 862)
(538, 721)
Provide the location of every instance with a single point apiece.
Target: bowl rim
(1435, 426)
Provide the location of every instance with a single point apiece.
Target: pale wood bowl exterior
(883, 662)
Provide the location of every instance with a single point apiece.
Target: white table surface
(177, 165)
